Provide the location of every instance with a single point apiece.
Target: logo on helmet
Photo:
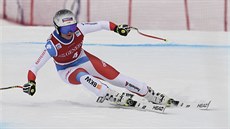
(68, 19)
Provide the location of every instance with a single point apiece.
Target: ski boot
(158, 98)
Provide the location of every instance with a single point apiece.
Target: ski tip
(209, 104)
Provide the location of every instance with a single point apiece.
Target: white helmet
(63, 17)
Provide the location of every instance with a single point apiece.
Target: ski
(149, 106)
(202, 105)
(146, 105)
(128, 101)
(131, 101)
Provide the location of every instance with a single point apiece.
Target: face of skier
(68, 31)
(67, 36)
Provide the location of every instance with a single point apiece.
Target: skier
(77, 66)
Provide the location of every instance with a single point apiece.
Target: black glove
(122, 29)
(30, 88)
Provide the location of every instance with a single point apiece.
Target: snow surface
(191, 66)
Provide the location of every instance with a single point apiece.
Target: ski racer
(77, 66)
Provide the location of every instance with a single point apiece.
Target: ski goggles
(69, 28)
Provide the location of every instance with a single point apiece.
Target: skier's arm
(103, 25)
(43, 58)
(30, 87)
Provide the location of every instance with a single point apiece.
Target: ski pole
(10, 87)
(150, 36)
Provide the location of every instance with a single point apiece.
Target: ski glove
(122, 29)
(30, 88)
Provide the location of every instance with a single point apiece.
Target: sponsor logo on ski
(202, 105)
(160, 108)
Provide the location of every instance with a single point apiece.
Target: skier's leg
(106, 72)
(79, 75)
(100, 89)
(111, 75)
(140, 88)
(129, 83)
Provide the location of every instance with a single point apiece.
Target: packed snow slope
(191, 66)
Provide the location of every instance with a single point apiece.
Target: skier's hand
(122, 29)
(30, 88)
